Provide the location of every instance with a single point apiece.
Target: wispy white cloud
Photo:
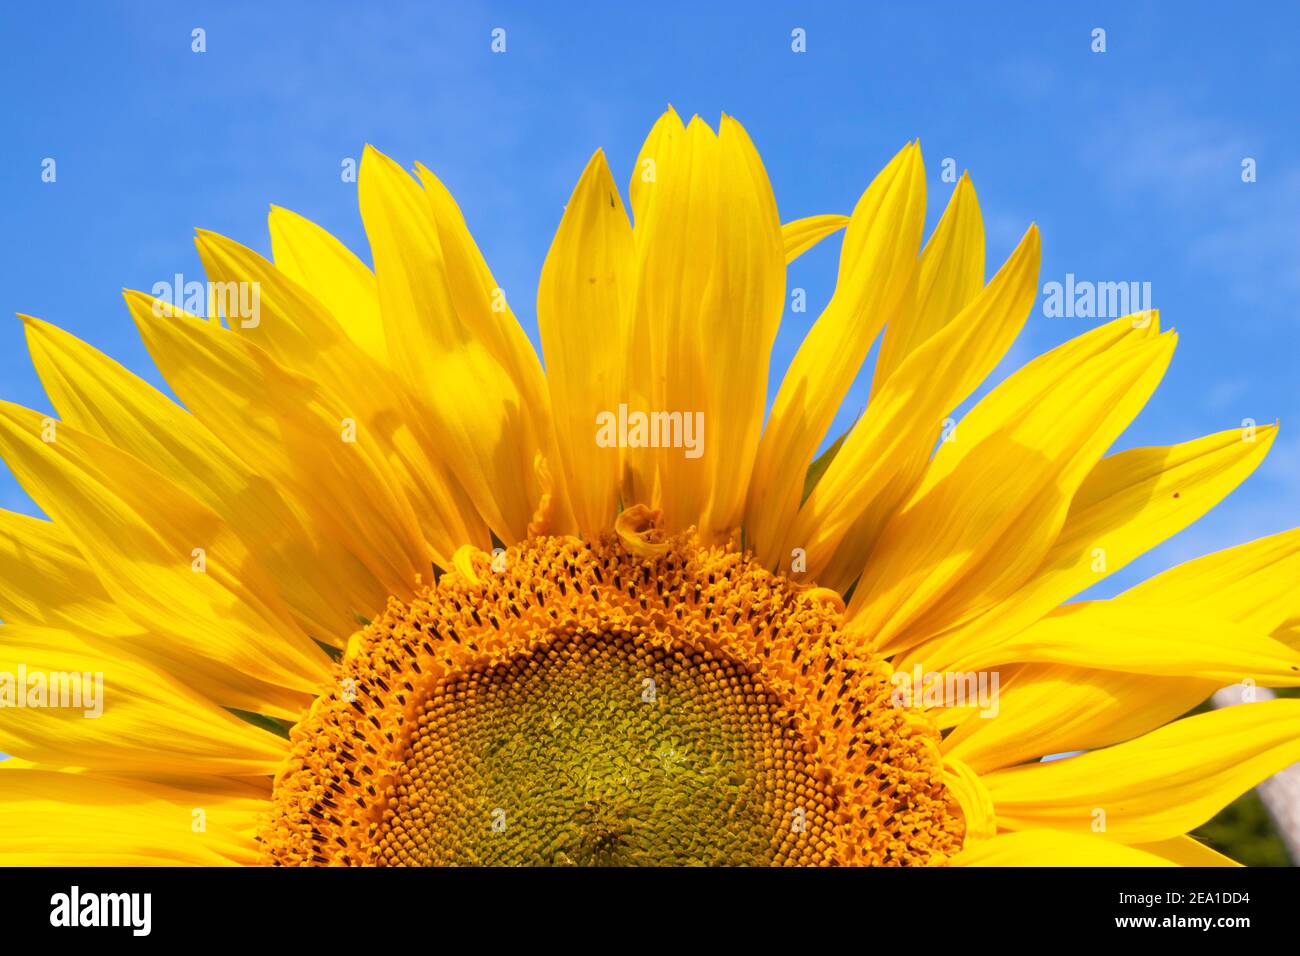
(1243, 234)
(1224, 395)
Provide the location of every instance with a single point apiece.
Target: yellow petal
(1129, 503)
(662, 144)
(1160, 785)
(800, 235)
(488, 441)
(885, 454)
(1038, 378)
(951, 275)
(1044, 709)
(584, 313)
(314, 259)
(1035, 848)
(955, 550)
(485, 310)
(56, 818)
(95, 394)
(301, 334)
(709, 296)
(1288, 633)
(976, 804)
(1253, 584)
(170, 563)
(1185, 851)
(1140, 639)
(272, 310)
(295, 433)
(48, 583)
(878, 264)
(123, 715)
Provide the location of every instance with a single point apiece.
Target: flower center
(632, 701)
(606, 749)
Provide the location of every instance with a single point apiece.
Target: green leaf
(273, 725)
(335, 653)
(822, 462)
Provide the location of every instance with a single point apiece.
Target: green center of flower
(604, 750)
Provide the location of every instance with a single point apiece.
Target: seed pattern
(605, 750)
(504, 717)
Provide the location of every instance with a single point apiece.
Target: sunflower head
(618, 607)
(592, 703)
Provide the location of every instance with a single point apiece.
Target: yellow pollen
(623, 702)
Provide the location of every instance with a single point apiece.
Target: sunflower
(383, 591)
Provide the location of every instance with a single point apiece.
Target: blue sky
(1129, 160)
